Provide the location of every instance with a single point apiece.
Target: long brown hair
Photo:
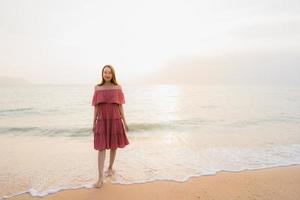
(113, 80)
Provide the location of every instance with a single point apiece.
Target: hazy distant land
(13, 81)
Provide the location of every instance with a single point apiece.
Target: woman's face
(107, 75)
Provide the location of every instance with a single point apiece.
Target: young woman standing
(109, 124)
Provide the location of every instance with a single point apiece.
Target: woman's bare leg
(101, 159)
(111, 161)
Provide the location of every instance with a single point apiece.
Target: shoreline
(280, 182)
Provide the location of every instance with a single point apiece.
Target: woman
(109, 123)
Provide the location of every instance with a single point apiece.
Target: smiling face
(107, 74)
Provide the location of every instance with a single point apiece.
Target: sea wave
(176, 125)
(16, 110)
(71, 132)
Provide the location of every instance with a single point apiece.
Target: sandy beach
(201, 100)
(272, 183)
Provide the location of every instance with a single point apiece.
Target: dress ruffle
(108, 96)
(109, 111)
(110, 134)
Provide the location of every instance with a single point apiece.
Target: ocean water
(176, 132)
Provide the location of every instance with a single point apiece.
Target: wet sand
(272, 183)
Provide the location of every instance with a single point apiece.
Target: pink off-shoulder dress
(109, 131)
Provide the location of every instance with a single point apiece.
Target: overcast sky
(190, 41)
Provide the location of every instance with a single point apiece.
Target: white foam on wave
(35, 193)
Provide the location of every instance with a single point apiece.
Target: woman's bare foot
(99, 183)
(110, 172)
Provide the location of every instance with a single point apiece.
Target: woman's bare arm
(122, 112)
(96, 108)
(123, 116)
